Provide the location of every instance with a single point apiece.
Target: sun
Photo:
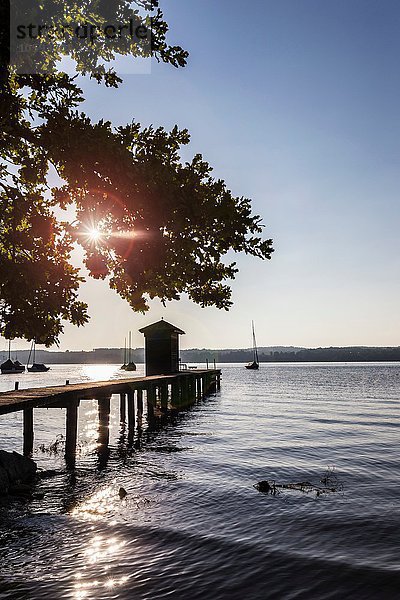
(94, 234)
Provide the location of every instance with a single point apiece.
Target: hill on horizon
(228, 355)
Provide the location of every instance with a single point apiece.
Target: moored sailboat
(131, 365)
(10, 367)
(255, 364)
(128, 365)
(36, 367)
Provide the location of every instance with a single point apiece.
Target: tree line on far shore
(346, 354)
(266, 355)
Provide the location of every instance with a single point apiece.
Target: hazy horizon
(224, 348)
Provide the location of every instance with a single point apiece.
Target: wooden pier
(163, 393)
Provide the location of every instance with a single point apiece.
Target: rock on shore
(15, 469)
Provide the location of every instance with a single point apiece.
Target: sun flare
(94, 234)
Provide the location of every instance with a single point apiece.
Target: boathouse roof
(161, 326)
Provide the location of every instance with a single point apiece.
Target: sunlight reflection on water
(101, 503)
(100, 555)
(101, 551)
(100, 372)
(89, 425)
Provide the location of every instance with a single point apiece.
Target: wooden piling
(28, 431)
(212, 384)
(150, 412)
(131, 410)
(139, 398)
(151, 402)
(151, 395)
(71, 431)
(122, 408)
(203, 385)
(218, 381)
(198, 388)
(193, 390)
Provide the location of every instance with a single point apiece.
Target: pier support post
(131, 414)
(28, 431)
(122, 408)
(71, 431)
(212, 387)
(193, 392)
(151, 402)
(150, 412)
(198, 388)
(104, 424)
(139, 398)
(211, 384)
(151, 395)
(203, 385)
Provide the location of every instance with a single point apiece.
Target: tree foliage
(152, 225)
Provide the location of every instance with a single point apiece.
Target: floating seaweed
(329, 480)
(58, 446)
(55, 447)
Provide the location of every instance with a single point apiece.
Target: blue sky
(296, 105)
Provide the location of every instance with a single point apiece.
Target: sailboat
(9, 367)
(131, 365)
(255, 364)
(36, 367)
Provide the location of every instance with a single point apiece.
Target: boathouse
(161, 348)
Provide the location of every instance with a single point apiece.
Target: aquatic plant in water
(329, 480)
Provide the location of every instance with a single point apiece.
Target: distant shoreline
(266, 355)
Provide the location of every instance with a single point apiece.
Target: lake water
(192, 525)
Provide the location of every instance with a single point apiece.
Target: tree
(150, 224)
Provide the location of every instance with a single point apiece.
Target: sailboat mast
(9, 349)
(129, 352)
(124, 351)
(255, 352)
(30, 352)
